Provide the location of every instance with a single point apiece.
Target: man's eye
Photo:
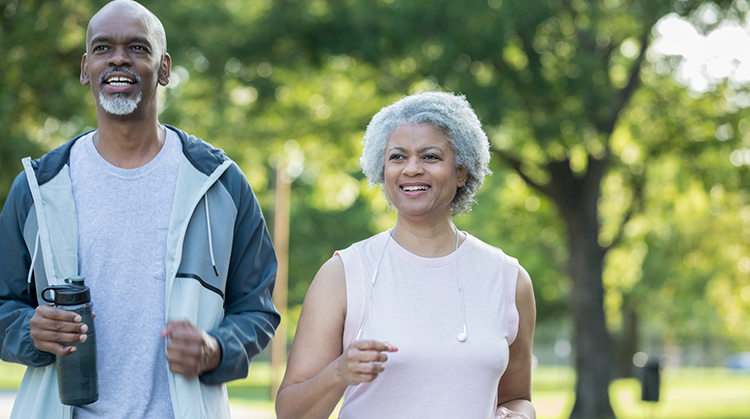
(100, 48)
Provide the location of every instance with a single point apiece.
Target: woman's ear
(463, 175)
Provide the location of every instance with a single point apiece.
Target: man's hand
(52, 328)
(190, 350)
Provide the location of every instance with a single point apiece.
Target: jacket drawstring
(210, 241)
(31, 267)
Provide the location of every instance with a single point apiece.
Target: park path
(238, 412)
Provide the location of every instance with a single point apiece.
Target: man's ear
(85, 70)
(165, 71)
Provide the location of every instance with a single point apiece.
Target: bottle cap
(68, 295)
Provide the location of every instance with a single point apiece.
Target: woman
(421, 321)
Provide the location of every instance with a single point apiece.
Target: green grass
(686, 393)
(10, 375)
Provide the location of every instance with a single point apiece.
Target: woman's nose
(413, 166)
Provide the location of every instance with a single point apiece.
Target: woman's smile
(420, 172)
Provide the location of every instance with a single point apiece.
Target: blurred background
(620, 135)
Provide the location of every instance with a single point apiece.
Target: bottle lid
(68, 295)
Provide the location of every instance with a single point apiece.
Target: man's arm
(16, 304)
(250, 318)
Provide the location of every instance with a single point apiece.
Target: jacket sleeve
(250, 317)
(16, 305)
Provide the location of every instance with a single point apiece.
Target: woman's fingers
(364, 360)
(374, 345)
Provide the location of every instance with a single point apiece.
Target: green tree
(588, 137)
(551, 81)
(40, 43)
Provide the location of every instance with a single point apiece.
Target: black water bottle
(76, 372)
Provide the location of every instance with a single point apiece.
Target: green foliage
(553, 81)
(40, 43)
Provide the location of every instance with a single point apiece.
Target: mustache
(120, 69)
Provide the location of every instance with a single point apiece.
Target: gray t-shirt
(123, 219)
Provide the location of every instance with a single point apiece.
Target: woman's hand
(505, 413)
(362, 361)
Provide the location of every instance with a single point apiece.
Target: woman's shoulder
(367, 245)
(487, 250)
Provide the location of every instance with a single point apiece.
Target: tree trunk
(577, 199)
(593, 357)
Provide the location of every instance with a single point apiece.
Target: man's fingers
(183, 363)
(178, 357)
(185, 347)
(181, 349)
(182, 369)
(58, 337)
(58, 320)
(54, 313)
(40, 325)
(55, 348)
(182, 331)
(52, 329)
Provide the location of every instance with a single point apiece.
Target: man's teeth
(415, 188)
(119, 81)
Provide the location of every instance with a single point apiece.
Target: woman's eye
(395, 157)
(431, 157)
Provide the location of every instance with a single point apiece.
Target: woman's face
(421, 177)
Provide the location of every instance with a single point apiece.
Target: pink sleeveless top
(416, 306)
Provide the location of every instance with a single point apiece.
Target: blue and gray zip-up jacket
(220, 267)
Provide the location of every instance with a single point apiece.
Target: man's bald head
(135, 9)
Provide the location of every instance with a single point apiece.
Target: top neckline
(400, 251)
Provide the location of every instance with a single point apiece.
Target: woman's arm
(514, 389)
(318, 370)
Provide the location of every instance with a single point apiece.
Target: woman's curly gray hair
(446, 112)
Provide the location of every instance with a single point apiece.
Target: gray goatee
(119, 105)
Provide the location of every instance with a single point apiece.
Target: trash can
(650, 380)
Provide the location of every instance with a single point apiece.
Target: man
(165, 229)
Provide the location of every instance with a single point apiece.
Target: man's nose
(120, 56)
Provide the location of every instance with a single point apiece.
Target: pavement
(237, 412)
(6, 403)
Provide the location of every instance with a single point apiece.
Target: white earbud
(463, 335)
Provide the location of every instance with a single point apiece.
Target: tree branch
(515, 164)
(636, 205)
(621, 99)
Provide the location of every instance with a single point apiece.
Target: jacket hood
(202, 155)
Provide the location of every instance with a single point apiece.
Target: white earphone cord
(461, 336)
(372, 285)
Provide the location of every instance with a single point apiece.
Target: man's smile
(119, 81)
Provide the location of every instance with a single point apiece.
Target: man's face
(124, 62)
